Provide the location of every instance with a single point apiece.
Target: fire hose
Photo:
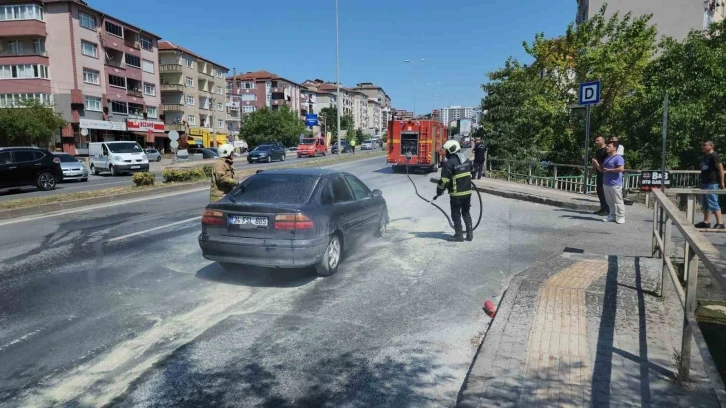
(451, 223)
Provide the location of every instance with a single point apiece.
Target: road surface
(115, 305)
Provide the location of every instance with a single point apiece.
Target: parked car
(117, 157)
(153, 155)
(73, 169)
(29, 166)
(368, 145)
(205, 152)
(266, 153)
(292, 218)
(345, 147)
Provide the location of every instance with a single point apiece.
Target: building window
(248, 109)
(220, 123)
(133, 61)
(189, 62)
(147, 66)
(114, 29)
(149, 89)
(23, 71)
(151, 112)
(248, 97)
(16, 100)
(39, 47)
(220, 74)
(191, 120)
(89, 49)
(190, 100)
(248, 85)
(220, 91)
(93, 104)
(119, 107)
(189, 82)
(117, 81)
(136, 110)
(146, 43)
(87, 21)
(220, 107)
(21, 12)
(91, 76)
(16, 47)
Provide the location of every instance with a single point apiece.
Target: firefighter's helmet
(225, 150)
(452, 147)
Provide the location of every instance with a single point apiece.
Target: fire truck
(424, 139)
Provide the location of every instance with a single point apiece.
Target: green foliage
(184, 175)
(208, 169)
(266, 125)
(31, 124)
(359, 136)
(328, 116)
(143, 179)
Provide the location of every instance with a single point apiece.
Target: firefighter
(456, 175)
(222, 174)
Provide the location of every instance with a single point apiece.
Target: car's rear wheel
(328, 264)
(45, 181)
(95, 170)
(158, 159)
(382, 226)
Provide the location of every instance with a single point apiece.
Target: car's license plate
(135, 167)
(247, 220)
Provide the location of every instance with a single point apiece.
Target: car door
(24, 167)
(369, 209)
(6, 161)
(345, 208)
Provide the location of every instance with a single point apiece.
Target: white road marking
(153, 229)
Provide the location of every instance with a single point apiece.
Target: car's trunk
(247, 220)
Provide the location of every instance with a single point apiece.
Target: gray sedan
(153, 155)
(73, 169)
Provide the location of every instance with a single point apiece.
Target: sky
(461, 41)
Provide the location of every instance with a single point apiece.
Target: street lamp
(414, 81)
(337, 73)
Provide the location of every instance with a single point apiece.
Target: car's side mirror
(377, 193)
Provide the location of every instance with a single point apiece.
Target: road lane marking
(153, 229)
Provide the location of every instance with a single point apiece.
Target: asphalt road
(115, 305)
(105, 180)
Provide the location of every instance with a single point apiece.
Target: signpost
(589, 95)
(654, 178)
(311, 120)
(174, 137)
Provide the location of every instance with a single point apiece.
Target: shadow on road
(577, 217)
(255, 276)
(433, 235)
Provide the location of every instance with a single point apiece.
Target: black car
(206, 153)
(345, 147)
(292, 218)
(266, 153)
(29, 166)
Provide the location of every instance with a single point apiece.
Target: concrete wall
(58, 46)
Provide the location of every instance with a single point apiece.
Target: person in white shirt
(621, 149)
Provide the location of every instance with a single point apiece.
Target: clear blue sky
(460, 40)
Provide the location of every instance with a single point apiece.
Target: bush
(208, 170)
(143, 179)
(184, 175)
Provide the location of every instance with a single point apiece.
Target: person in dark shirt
(479, 155)
(600, 155)
(712, 178)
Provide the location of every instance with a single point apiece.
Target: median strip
(11, 209)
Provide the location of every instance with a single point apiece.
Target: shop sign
(101, 124)
(144, 125)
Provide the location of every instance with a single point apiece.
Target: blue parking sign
(590, 93)
(311, 120)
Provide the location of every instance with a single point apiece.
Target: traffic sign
(173, 136)
(84, 132)
(174, 144)
(311, 120)
(590, 93)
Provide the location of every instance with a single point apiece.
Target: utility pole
(337, 72)
(414, 82)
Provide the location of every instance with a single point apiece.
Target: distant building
(453, 113)
(259, 89)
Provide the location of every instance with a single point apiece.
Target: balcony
(22, 28)
(23, 53)
(171, 68)
(205, 107)
(115, 63)
(172, 88)
(206, 74)
(173, 107)
(134, 92)
(177, 126)
(234, 119)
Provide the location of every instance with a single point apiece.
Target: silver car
(73, 169)
(153, 155)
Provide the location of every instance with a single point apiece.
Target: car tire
(329, 262)
(269, 159)
(382, 226)
(45, 181)
(113, 170)
(158, 159)
(283, 157)
(94, 170)
(85, 179)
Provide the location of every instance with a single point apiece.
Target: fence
(570, 177)
(696, 248)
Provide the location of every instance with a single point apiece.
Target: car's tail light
(56, 160)
(293, 222)
(211, 217)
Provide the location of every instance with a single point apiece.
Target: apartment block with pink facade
(100, 73)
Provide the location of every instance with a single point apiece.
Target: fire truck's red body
(423, 138)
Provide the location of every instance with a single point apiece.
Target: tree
(347, 122)
(267, 125)
(359, 136)
(32, 123)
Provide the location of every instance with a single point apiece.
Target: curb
(67, 205)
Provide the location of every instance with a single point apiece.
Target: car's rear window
(277, 188)
(67, 158)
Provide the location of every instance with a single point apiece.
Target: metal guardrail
(696, 248)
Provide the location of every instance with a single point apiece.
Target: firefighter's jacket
(222, 179)
(456, 176)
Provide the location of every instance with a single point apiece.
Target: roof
(84, 4)
(309, 171)
(261, 74)
(165, 45)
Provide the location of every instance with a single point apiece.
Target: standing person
(600, 155)
(479, 155)
(222, 174)
(612, 169)
(456, 178)
(712, 178)
(352, 145)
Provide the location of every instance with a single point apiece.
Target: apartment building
(380, 113)
(194, 95)
(453, 113)
(99, 72)
(674, 18)
(360, 109)
(258, 89)
(375, 119)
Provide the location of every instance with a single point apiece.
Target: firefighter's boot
(469, 232)
(458, 236)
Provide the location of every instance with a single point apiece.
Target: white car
(117, 157)
(368, 145)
